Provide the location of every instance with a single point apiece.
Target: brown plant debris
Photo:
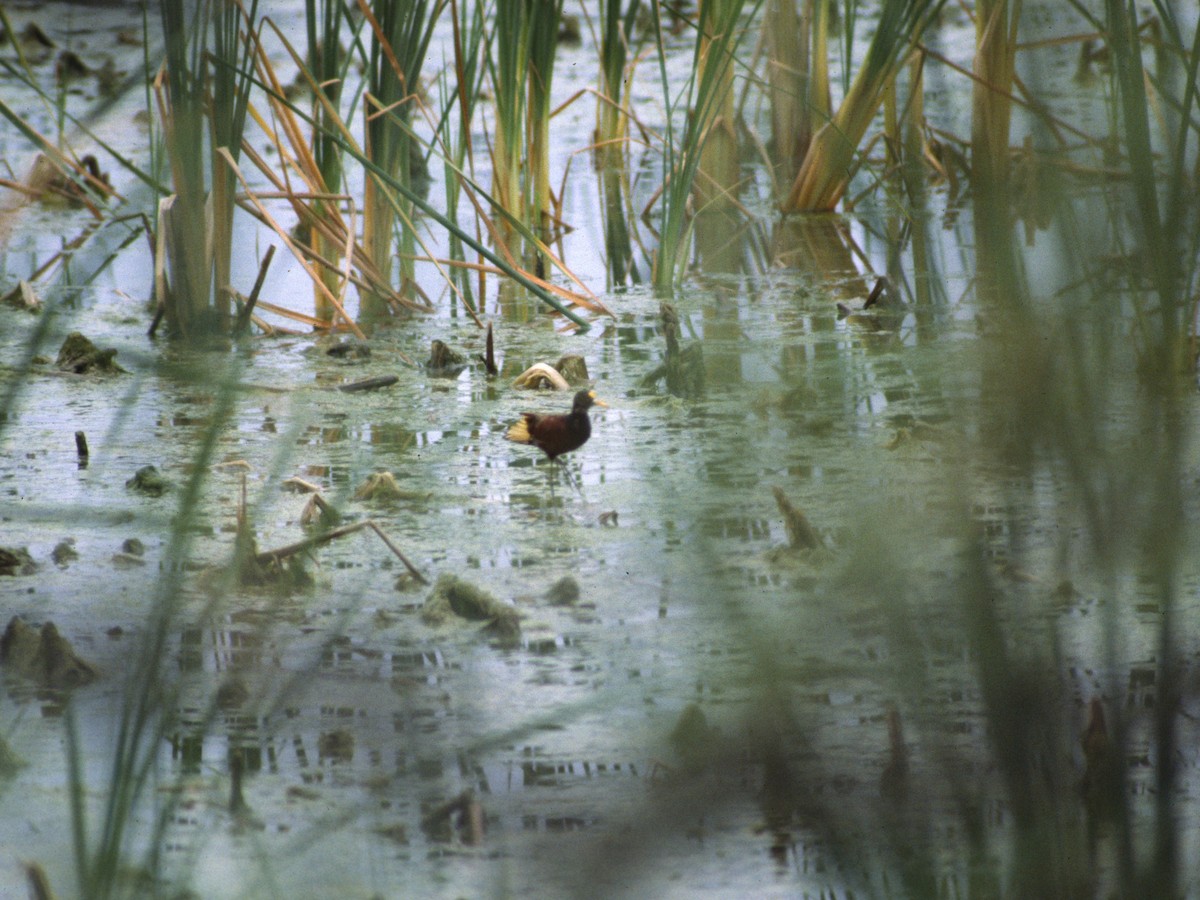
(64, 552)
(33, 39)
(382, 486)
(318, 511)
(347, 347)
(801, 535)
(22, 296)
(60, 180)
(336, 745)
(542, 376)
(877, 294)
(43, 656)
(273, 558)
(396, 833)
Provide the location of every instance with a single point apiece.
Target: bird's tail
(519, 432)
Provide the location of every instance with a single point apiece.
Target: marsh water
(366, 739)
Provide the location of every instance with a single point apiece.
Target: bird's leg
(571, 480)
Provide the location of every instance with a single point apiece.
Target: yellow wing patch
(519, 432)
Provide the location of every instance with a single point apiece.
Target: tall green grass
(203, 99)
(997, 805)
(508, 56)
(796, 36)
(459, 104)
(183, 222)
(522, 49)
(401, 31)
(705, 98)
(618, 18)
(330, 65)
(228, 83)
(543, 48)
(616, 44)
(1165, 234)
(825, 171)
(343, 137)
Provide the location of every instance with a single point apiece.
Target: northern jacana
(555, 435)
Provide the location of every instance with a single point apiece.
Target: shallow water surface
(353, 719)
(709, 715)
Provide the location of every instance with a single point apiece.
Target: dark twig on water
(237, 802)
(412, 570)
(369, 384)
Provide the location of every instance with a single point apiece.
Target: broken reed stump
(464, 812)
(489, 355)
(38, 882)
(245, 311)
(683, 367)
(801, 535)
(893, 781)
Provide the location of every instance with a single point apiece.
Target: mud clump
(149, 481)
(564, 592)
(64, 553)
(79, 355)
(44, 656)
(444, 361)
(16, 561)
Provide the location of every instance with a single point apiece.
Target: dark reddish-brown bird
(558, 434)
